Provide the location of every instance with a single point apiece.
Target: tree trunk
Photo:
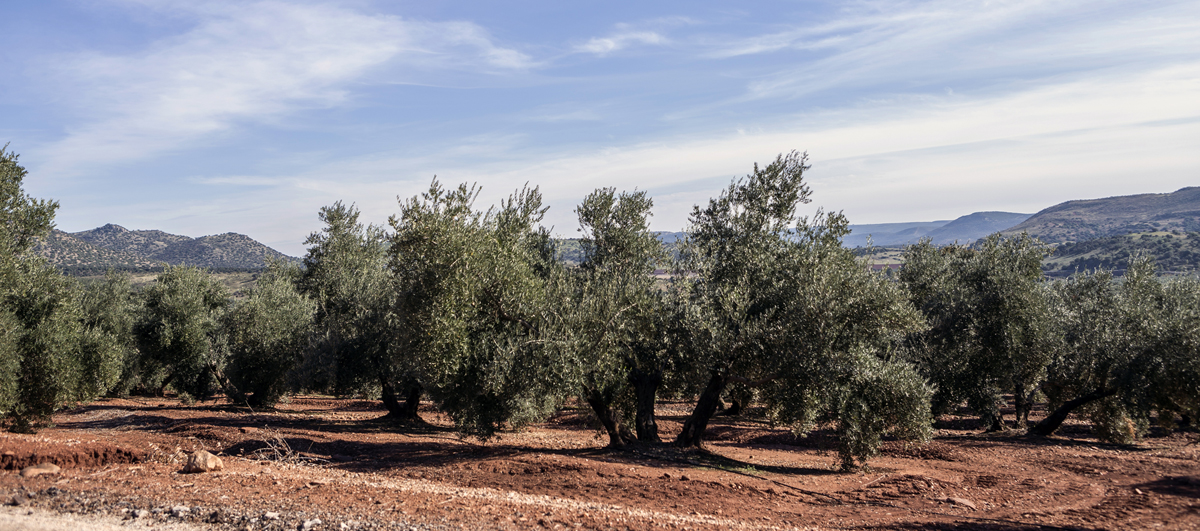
(736, 406)
(645, 386)
(693, 429)
(406, 410)
(1051, 423)
(1022, 406)
(389, 398)
(617, 434)
(412, 402)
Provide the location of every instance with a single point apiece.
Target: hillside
(1172, 251)
(1077, 221)
(76, 256)
(114, 246)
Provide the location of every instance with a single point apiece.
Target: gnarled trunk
(1051, 423)
(645, 386)
(693, 429)
(618, 435)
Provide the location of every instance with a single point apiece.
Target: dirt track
(328, 460)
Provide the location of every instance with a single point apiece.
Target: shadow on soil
(974, 526)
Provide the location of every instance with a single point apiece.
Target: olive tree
(1131, 348)
(471, 311)
(180, 333)
(611, 316)
(776, 301)
(110, 310)
(48, 355)
(990, 329)
(356, 348)
(266, 336)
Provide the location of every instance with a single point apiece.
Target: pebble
(180, 511)
(310, 524)
(39, 469)
(963, 502)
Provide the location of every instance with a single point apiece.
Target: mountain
(114, 246)
(965, 229)
(972, 227)
(72, 254)
(1076, 221)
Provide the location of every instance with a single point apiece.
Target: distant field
(237, 282)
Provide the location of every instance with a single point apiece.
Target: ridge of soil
(339, 462)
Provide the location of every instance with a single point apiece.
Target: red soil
(328, 459)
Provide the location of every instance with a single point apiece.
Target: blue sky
(208, 117)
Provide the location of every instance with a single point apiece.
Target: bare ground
(335, 461)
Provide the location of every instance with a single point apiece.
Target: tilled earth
(318, 463)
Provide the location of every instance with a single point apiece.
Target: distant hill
(1172, 251)
(1089, 219)
(964, 230)
(113, 246)
(72, 254)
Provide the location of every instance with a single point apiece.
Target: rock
(180, 511)
(271, 516)
(202, 461)
(39, 469)
(308, 525)
(141, 513)
(963, 502)
(18, 500)
(9, 452)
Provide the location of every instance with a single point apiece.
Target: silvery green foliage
(471, 310)
(610, 317)
(110, 311)
(48, 337)
(990, 330)
(267, 333)
(48, 356)
(346, 273)
(180, 332)
(776, 300)
(1131, 348)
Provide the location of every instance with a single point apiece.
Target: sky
(204, 117)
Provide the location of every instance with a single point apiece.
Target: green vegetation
(989, 322)
(501, 326)
(92, 252)
(1171, 251)
(778, 302)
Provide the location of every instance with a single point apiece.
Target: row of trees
(472, 309)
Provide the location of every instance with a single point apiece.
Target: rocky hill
(113, 246)
(1089, 219)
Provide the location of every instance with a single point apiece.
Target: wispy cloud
(248, 62)
(907, 44)
(619, 41)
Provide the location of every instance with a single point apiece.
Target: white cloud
(898, 160)
(249, 61)
(620, 41)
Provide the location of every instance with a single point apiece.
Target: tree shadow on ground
(1186, 486)
(973, 526)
